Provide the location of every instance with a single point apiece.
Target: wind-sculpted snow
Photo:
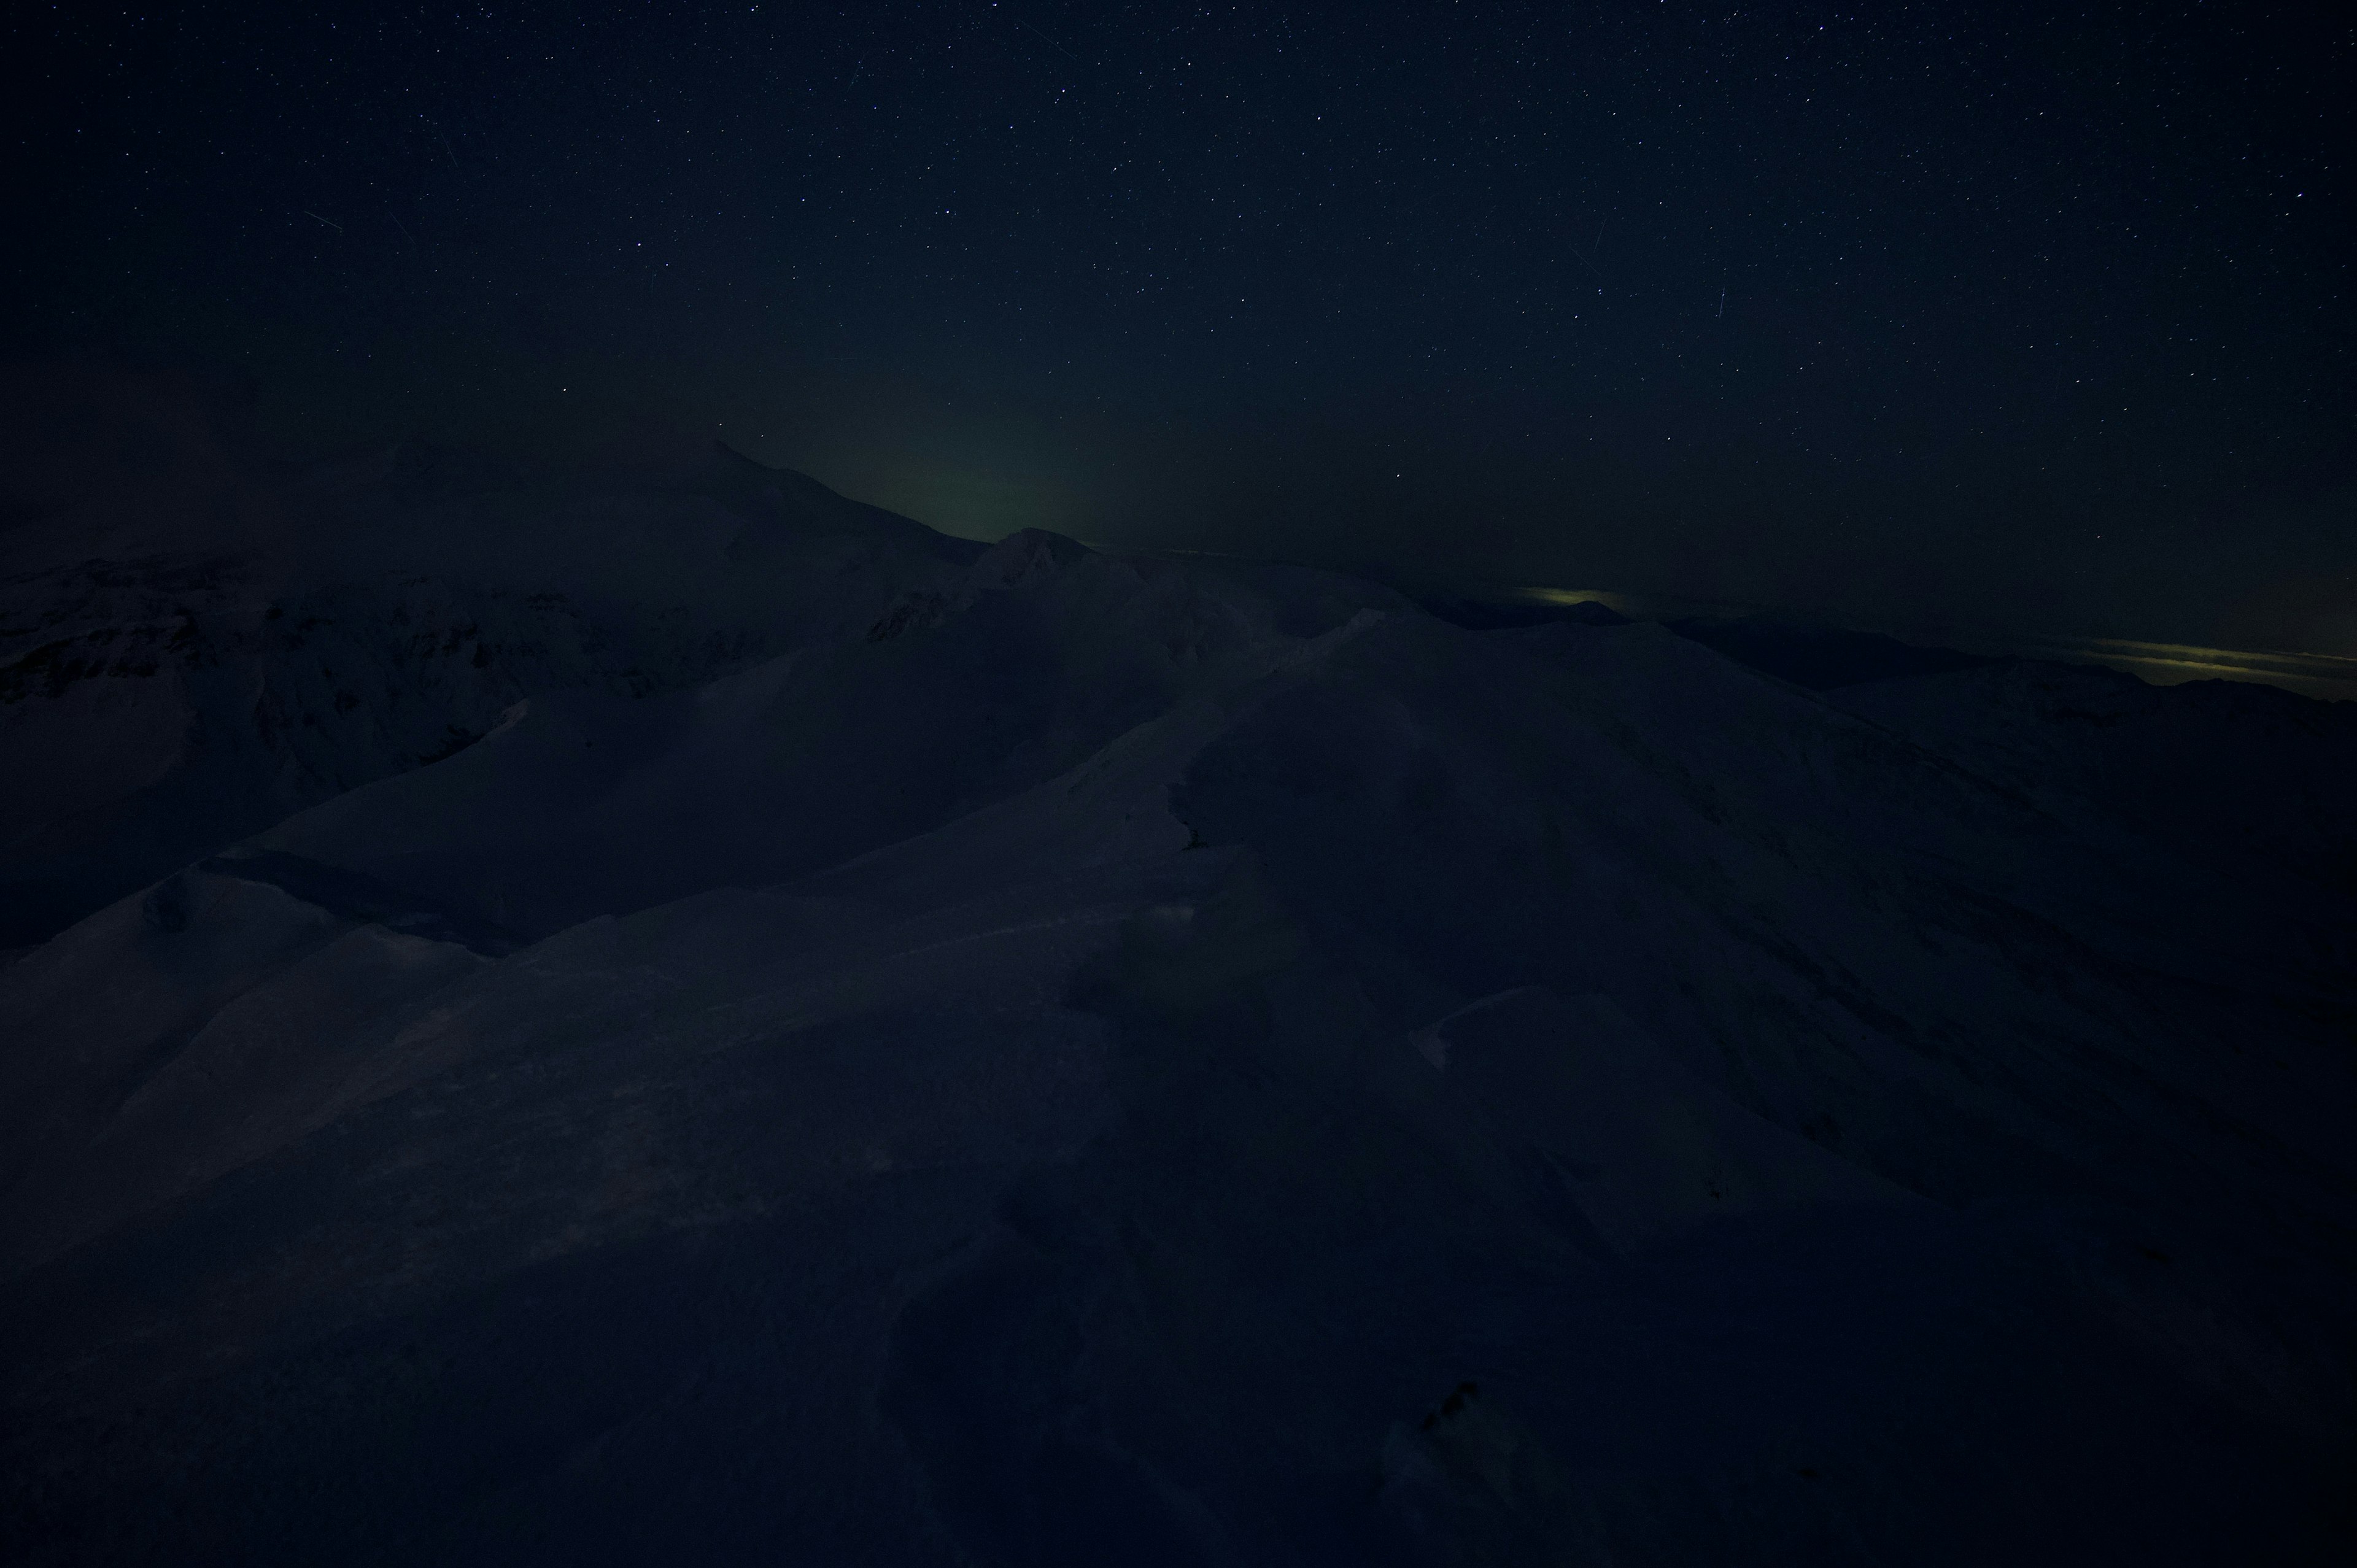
(176, 702)
(1078, 1058)
(2239, 771)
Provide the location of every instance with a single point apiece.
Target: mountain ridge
(1021, 1053)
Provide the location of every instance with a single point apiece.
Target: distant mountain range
(672, 1016)
(1821, 650)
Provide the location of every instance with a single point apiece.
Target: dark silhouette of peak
(1820, 658)
(727, 459)
(1027, 551)
(1499, 614)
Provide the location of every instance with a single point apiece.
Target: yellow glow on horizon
(1619, 604)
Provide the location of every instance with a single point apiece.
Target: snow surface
(686, 1019)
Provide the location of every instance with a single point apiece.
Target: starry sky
(1926, 315)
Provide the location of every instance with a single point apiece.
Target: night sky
(1927, 315)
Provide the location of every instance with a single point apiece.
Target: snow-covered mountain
(689, 1019)
(212, 674)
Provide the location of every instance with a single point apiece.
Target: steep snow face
(957, 698)
(2244, 774)
(1089, 1060)
(370, 623)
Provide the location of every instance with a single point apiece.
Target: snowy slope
(338, 627)
(2237, 770)
(1078, 1058)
